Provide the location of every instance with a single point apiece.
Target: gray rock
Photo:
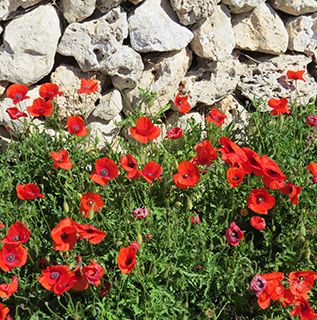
(295, 7)
(9, 6)
(239, 6)
(105, 6)
(153, 27)
(77, 10)
(182, 120)
(26, 55)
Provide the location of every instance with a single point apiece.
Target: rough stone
(302, 32)
(189, 11)
(153, 27)
(93, 42)
(105, 6)
(135, 1)
(9, 6)
(178, 120)
(109, 107)
(239, 6)
(213, 36)
(26, 55)
(77, 10)
(162, 74)
(261, 30)
(210, 82)
(266, 78)
(70, 102)
(295, 7)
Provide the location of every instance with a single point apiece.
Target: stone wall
(226, 53)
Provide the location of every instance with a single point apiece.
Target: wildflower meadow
(210, 222)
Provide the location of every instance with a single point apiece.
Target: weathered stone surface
(295, 7)
(125, 67)
(135, 1)
(239, 6)
(8, 6)
(105, 6)
(26, 55)
(153, 27)
(302, 32)
(178, 120)
(109, 107)
(77, 10)
(70, 103)
(162, 74)
(209, 82)
(3, 87)
(213, 36)
(266, 78)
(190, 11)
(90, 43)
(261, 30)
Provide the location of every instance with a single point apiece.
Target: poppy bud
(139, 238)
(149, 236)
(66, 206)
(189, 203)
(302, 229)
(178, 204)
(91, 214)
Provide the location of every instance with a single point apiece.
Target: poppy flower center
(90, 203)
(54, 275)
(77, 273)
(18, 95)
(131, 164)
(216, 118)
(185, 176)
(64, 236)
(128, 261)
(235, 178)
(259, 199)
(149, 174)
(90, 231)
(104, 172)
(234, 234)
(16, 238)
(87, 87)
(76, 128)
(11, 257)
(260, 283)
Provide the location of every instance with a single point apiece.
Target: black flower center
(16, 238)
(11, 257)
(54, 275)
(104, 172)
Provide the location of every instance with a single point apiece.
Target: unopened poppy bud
(91, 214)
(178, 204)
(66, 206)
(189, 203)
(302, 229)
(149, 236)
(139, 238)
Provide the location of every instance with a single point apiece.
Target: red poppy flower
(273, 177)
(127, 259)
(301, 282)
(151, 171)
(295, 75)
(292, 190)
(80, 282)
(57, 279)
(312, 168)
(12, 255)
(205, 153)
(273, 291)
(49, 91)
(90, 202)
(41, 107)
(260, 201)
(216, 117)
(29, 191)
(61, 159)
(188, 175)
(15, 113)
(105, 288)
(258, 223)
(93, 273)
(234, 234)
(76, 126)
(174, 133)
(141, 213)
(130, 165)
(181, 102)
(231, 152)
(311, 120)
(92, 234)
(195, 219)
(303, 310)
(17, 92)
(4, 312)
(8, 289)
(64, 235)
(253, 163)
(105, 170)
(17, 233)
(145, 130)
(88, 86)
(235, 176)
(2, 226)
(135, 245)
(279, 106)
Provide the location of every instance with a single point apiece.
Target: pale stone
(183, 120)
(210, 82)
(239, 6)
(190, 11)
(213, 36)
(105, 6)
(295, 7)
(261, 30)
(302, 33)
(77, 10)
(153, 27)
(93, 42)
(162, 74)
(9, 6)
(109, 107)
(136, 1)
(26, 55)
(265, 78)
(3, 87)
